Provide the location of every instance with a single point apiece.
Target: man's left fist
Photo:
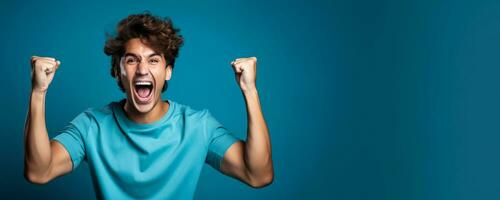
(245, 70)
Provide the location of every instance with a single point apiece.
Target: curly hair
(159, 34)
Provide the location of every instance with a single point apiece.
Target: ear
(168, 73)
(117, 74)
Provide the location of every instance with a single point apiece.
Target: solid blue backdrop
(364, 99)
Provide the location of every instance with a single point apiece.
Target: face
(143, 73)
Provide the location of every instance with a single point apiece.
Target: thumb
(236, 67)
(57, 64)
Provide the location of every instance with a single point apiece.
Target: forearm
(37, 144)
(258, 159)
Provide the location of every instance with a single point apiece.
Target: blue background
(364, 99)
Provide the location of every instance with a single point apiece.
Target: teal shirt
(160, 160)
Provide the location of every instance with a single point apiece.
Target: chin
(143, 96)
(143, 108)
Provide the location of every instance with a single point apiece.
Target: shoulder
(98, 113)
(188, 111)
(196, 119)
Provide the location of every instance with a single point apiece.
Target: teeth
(142, 83)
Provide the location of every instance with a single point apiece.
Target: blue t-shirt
(160, 160)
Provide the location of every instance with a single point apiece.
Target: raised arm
(43, 160)
(250, 161)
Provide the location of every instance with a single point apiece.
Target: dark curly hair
(159, 34)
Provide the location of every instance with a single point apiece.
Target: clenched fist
(246, 71)
(42, 72)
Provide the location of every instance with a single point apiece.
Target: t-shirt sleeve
(72, 138)
(219, 140)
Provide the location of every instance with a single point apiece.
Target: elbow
(35, 179)
(262, 181)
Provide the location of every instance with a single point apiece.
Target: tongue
(143, 92)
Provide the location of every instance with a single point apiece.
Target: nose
(142, 68)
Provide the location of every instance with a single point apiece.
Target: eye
(154, 61)
(130, 60)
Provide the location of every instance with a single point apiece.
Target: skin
(142, 63)
(249, 161)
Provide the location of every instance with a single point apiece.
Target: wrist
(38, 92)
(250, 88)
(250, 92)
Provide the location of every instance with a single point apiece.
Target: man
(144, 147)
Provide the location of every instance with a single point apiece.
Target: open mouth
(143, 91)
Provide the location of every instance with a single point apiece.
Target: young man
(144, 147)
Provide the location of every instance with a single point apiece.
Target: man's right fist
(42, 72)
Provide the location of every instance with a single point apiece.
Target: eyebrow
(137, 56)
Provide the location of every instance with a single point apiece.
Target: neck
(158, 111)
